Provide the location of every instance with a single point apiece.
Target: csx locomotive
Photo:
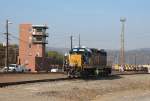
(85, 62)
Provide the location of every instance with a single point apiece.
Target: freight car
(85, 62)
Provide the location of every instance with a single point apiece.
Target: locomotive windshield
(80, 51)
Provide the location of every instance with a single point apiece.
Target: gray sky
(97, 21)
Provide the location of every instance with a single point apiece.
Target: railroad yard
(56, 87)
(75, 50)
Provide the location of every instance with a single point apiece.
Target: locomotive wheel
(69, 74)
(84, 74)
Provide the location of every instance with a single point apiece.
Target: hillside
(137, 56)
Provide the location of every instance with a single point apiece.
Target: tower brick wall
(29, 49)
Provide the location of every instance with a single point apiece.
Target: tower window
(38, 38)
(39, 30)
(30, 30)
(29, 45)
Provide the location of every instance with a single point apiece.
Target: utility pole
(79, 41)
(122, 54)
(71, 41)
(7, 45)
(7, 57)
(135, 59)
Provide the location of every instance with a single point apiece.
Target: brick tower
(32, 45)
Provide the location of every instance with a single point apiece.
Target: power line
(19, 39)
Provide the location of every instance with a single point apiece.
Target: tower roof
(40, 26)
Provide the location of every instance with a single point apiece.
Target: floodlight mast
(122, 53)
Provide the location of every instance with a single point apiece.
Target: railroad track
(18, 78)
(5, 84)
(10, 79)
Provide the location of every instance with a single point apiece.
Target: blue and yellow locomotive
(85, 62)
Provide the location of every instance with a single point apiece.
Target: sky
(97, 21)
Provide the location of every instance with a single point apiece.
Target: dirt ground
(113, 88)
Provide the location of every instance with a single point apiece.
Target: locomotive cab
(79, 57)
